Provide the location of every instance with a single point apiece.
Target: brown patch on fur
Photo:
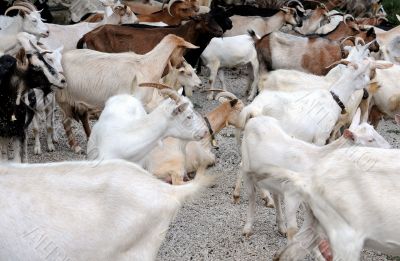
(375, 116)
(394, 103)
(94, 18)
(315, 60)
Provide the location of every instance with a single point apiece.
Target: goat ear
(397, 118)
(356, 119)
(22, 13)
(189, 45)
(233, 102)
(348, 134)
(371, 32)
(22, 60)
(179, 109)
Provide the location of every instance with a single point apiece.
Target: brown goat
(142, 8)
(141, 38)
(176, 12)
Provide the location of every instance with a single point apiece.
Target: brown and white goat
(175, 157)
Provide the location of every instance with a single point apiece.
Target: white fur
(123, 211)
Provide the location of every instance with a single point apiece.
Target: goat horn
(346, 16)
(228, 95)
(17, 8)
(26, 4)
(345, 62)
(159, 86)
(359, 40)
(298, 4)
(170, 4)
(383, 18)
(348, 38)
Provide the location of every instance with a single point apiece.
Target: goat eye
(189, 117)
(34, 20)
(371, 140)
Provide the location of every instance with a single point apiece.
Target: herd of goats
(322, 74)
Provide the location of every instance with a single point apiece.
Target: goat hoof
(236, 199)
(282, 231)
(51, 147)
(247, 233)
(269, 203)
(37, 151)
(291, 232)
(77, 149)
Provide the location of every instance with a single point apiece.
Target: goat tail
(285, 180)
(253, 35)
(80, 43)
(192, 188)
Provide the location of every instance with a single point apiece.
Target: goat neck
(14, 27)
(218, 117)
(275, 22)
(158, 58)
(345, 86)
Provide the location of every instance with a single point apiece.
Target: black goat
(17, 77)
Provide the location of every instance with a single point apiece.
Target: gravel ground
(209, 228)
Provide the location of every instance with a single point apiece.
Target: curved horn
(26, 4)
(171, 2)
(359, 40)
(225, 94)
(299, 5)
(159, 86)
(345, 62)
(22, 8)
(353, 38)
(347, 16)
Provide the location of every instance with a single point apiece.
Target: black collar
(339, 102)
(210, 130)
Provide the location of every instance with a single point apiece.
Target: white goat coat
(109, 210)
(354, 199)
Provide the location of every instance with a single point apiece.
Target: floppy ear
(348, 134)
(181, 108)
(22, 60)
(233, 102)
(371, 32)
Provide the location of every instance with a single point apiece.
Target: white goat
(311, 115)
(126, 131)
(26, 21)
(69, 35)
(265, 143)
(338, 206)
(93, 77)
(231, 52)
(263, 25)
(123, 211)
